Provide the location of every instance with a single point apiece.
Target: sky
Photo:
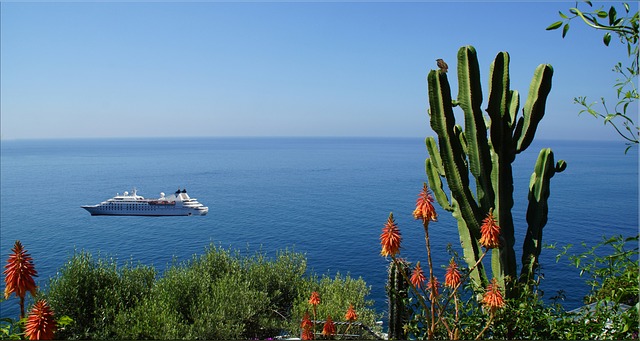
(169, 69)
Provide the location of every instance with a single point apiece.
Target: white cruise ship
(176, 204)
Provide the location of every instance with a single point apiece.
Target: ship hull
(161, 212)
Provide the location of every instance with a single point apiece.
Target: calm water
(325, 197)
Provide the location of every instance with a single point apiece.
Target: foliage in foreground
(217, 295)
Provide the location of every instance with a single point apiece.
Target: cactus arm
(537, 211)
(470, 100)
(514, 105)
(430, 142)
(472, 250)
(451, 150)
(460, 135)
(436, 185)
(501, 100)
(534, 107)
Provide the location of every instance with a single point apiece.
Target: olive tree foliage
(623, 23)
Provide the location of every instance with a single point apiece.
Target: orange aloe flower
(490, 232)
(306, 321)
(351, 315)
(307, 334)
(315, 298)
(417, 276)
(436, 285)
(424, 207)
(493, 298)
(329, 327)
(19, 275)
(40, 324)
(390, 238)
(307, 326)
(452, 276)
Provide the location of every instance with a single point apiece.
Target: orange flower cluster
(390, 238)
(307, 327)
(492, 299)
(315, 298)
(19, 273)
(490, 232)
(417, 277)
(435, 286)
(452, 276)
(351, 315)
(424, 207)
(329, 327)
(40, 324)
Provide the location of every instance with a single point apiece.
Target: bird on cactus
(442, 65)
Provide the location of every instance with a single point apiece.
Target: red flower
(452, 277)
(315, 298)
(390, 238)
(40, 324)
(329, 327)
(307, 334)
(493, 298)
(435, 285)
(306, 321)
(19, 273)
(351, 315)
(490, 232)
(307, 327)
(424, 207)
(417, 277)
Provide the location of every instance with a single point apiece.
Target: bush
(93, 292)
(218, 295)
(336, 295)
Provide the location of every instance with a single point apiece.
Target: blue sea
(325, 197)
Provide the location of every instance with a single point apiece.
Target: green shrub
(336, 295)
(217, 295)
(92, 293)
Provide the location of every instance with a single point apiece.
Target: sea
(327, 198)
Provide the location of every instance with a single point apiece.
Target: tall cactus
(397, 293)
(488, 158)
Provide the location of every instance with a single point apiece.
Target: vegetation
(223, 294)
(626, 27)
(218, 295)
(487, 155)
(468, 306)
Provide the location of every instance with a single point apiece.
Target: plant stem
(425, 223)
(485, 327)
(21, 307)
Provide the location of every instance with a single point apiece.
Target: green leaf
(626, 7)
(589, 3)
(565, 29)
(612, 15)
(602, 14)
(554, 26)
(607, 38)
(64, 321)
(562, 15)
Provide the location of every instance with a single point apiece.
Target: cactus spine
(460, 154)
(397, 293)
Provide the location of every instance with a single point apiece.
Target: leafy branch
(626, 28)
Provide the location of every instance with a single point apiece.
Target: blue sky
(165, 69)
